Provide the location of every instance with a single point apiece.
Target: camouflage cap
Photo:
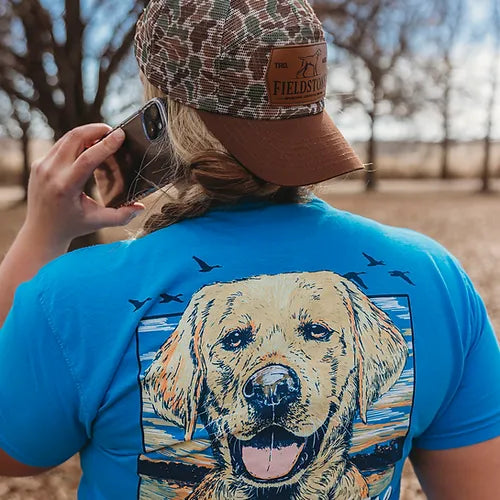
(256, 72)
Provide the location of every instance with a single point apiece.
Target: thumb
(100, 217)
(112, 217)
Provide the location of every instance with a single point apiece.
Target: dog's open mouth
(274, 453)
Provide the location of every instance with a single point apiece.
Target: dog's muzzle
(274, 453)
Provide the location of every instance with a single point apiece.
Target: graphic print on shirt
(292, 386)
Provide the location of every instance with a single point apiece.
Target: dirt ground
(465, 223)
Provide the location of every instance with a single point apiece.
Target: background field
(467, 224)
(396, 160)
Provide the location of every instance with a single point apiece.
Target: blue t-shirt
(259, 351)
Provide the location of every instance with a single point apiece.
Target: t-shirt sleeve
(473, 413)
(40, 422)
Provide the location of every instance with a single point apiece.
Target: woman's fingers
(74, 142)
(55, 199)
(90, 159)
(98, 217)
(80, 138)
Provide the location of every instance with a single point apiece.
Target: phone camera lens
(153, 122)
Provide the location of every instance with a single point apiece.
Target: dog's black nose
(272, 386)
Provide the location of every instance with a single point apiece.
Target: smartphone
(142, 164)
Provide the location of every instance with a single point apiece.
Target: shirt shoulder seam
(57, 338)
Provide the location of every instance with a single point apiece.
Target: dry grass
(464, 223)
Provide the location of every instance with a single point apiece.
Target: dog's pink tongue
(270, 463)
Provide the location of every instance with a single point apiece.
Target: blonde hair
(204, 173)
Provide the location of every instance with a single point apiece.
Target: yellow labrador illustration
(276, 368)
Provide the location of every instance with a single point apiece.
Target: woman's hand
(58, 210)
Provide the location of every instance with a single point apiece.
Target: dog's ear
(175, 378)
(381, 350)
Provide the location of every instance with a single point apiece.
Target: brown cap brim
(291, 152)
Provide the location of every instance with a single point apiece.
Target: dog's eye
(237, 339)
(315, 331)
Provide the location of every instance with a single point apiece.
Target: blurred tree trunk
(486, 174)
(22, 119)
(445, 29)
(26, 159)
(371, 178)
(445, 143)
(371, 173)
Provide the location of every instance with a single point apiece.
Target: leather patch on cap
(297, 74)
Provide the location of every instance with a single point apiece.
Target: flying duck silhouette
(166, 298)
(373, 262)
(138, 303)
(205, 268)
(402, 275)
(355, 277)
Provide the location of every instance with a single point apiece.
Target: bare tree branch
(33, 16)
(72, 78)
(105, 73)
(370, 32)
(8, 86)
